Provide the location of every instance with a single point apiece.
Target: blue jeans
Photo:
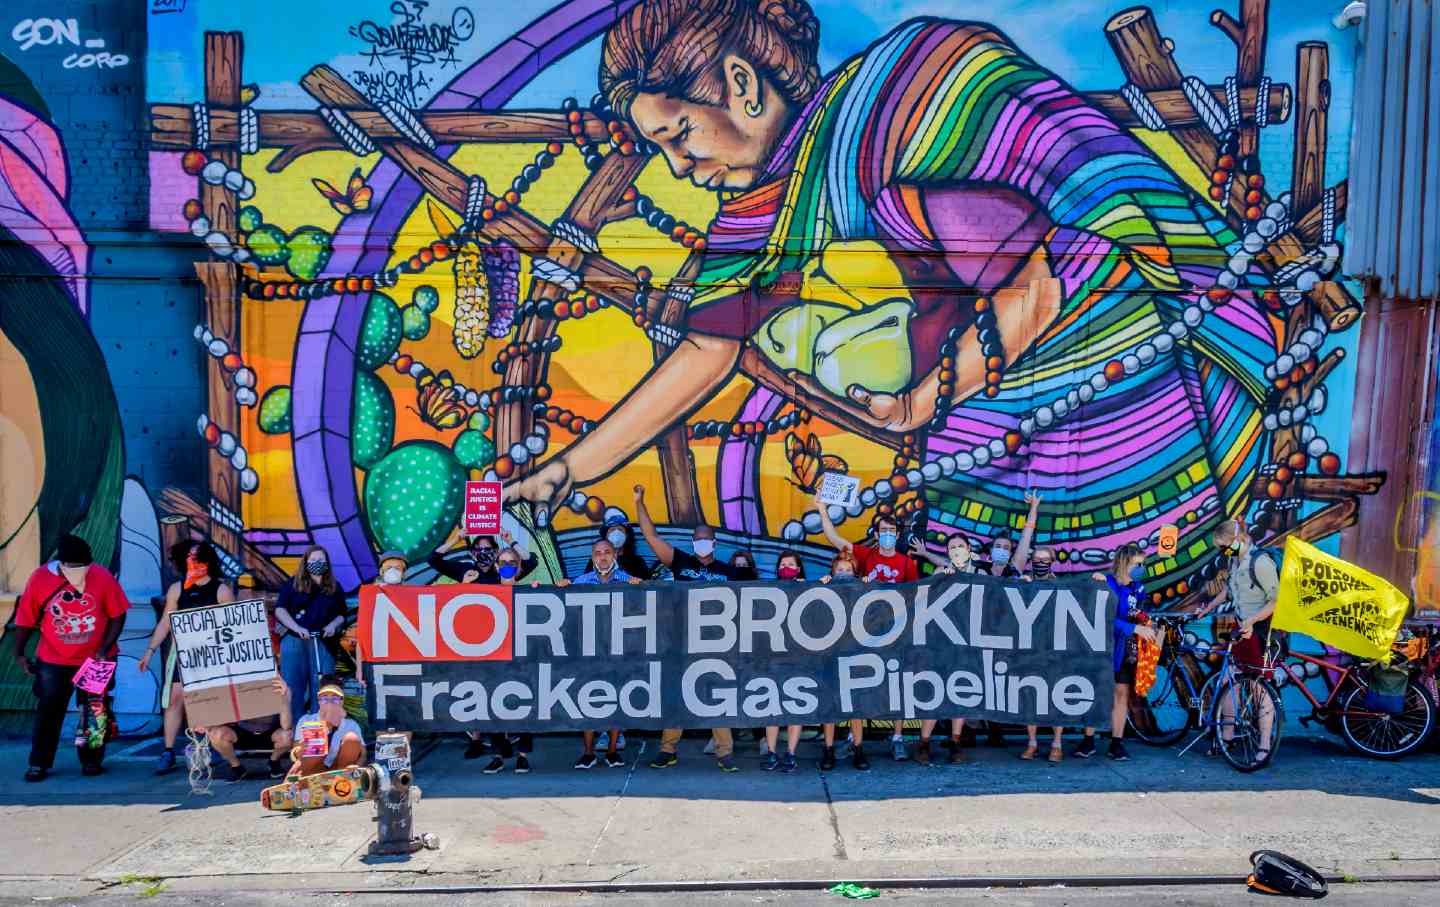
(302, 663)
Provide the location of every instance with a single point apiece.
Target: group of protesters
(79, 611)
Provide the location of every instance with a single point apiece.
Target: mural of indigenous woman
(942, 239)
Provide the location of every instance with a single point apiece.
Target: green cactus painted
(372, 420)
(413, 498)
(380, 332)
(274, 415)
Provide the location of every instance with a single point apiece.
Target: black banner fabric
(497, 658)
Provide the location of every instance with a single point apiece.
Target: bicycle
(1368, 731)
(1232, 708)
(1172, 707)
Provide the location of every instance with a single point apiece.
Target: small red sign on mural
(482, 508)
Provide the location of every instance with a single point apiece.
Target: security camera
(1352, 14)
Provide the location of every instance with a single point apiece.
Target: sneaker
(586, 761)
(772, 762)
(166, 763)
(922, 752)
(727, 764)
(233, 772)
(664, 760)
(1117, 751)
(522, 764)
(827, 759)
(787, 763)
(476, 748)
(496, 766)
(1085, 750)
(614, 760)
(710, 747)
(859, 760)
(898, 751)
(277, 769)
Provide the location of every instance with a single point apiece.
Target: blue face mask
(1137, 573)
(887, 539)
(508, 571)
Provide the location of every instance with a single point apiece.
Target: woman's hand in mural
(546, 488)
(890, 412)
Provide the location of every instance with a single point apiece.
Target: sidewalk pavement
(1159, 814)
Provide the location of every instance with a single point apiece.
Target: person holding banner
(1125, 580)
(607, 570)
(696, 566)
(312, 609)
(959, 560)
(789, 568)
(1042, 567)
(509, 563)
(478, 562)
(880, 563)
(79, 609)
(621, 537)
(201, 587)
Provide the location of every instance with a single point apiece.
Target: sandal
(1029, 752)
(1057, 755)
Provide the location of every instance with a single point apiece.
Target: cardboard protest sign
(227, 662)
(838, 488)
(94, 676)
(483, 503)
(501, 658)
(1337, 603)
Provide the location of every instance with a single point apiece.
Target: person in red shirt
(880, 563)
(79, 609)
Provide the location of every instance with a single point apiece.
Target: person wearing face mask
(477, 563)
(312, 609)
(1008, 559)
(392, 569)
(842, 573)
(788, 569)
(79, 610)
(345, 745)
(621, 537)
(509, 563)
(958, 560)
(202, 586)
(696, 566)
(607, 570)
(744, 565)
(880, 563)
(1042, 567)
(1126, 582)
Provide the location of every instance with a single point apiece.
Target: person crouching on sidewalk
(272, 731)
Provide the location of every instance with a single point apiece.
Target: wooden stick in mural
(589, 210)
(1312, 68)
(1249, 37)
(223, 54)
(301, 132)
(677, 465)
(257, 563)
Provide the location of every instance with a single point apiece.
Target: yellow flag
(1336, 602)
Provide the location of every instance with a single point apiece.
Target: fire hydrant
(396, 794)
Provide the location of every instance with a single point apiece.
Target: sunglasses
(330, 698)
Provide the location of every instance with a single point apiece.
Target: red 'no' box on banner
(482, 508)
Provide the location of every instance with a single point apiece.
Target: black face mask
(484, 557)
(1042, 568)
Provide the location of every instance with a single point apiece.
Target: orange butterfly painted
(439, 402)
(808, 461)
(356, 196)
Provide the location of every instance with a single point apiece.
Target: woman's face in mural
(721, 146)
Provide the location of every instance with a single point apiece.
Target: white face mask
(704, 547)
(392, 576)
(616, 537)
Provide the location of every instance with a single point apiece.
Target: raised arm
(1027, 535)
(831, 534)
(662, 548)
(918, 549)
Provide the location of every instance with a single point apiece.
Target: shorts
(1126, 674)
(1249, 654)
(249, 739)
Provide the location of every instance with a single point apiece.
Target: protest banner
(498, 658)
(838, 488)
(1337, 603)
(227, 662)
(482, 508)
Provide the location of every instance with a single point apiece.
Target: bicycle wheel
(1238, 716)
(1380, 735)
(1166, 713)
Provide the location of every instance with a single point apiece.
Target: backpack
(1275, 873)
(1386, 692)
(1276, 556)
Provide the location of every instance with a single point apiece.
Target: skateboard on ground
(333, 788)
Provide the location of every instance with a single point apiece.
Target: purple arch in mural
(737, 470)
(324, 365)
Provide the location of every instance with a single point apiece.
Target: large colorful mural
(717, 248)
